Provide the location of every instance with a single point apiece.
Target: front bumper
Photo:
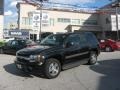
(27, 66)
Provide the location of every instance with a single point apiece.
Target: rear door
(76, 51)
(84, 47)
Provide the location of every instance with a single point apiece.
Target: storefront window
(30, 21)
(26, 21)
(23, 21)
(89, 22)
(75, 21)
(64, 20)
(51, 22)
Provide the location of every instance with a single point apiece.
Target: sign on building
(6, 33)
(45, 19)
(118, 22)
(19, 33)
(36, 21)
(113, 22)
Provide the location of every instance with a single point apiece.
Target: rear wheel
(108, 49)
(93, 58)
(52, 68)
(1, 51)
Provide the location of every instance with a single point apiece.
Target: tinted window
(13, 43)
(53, 40)
(74, 39)
(45, 35)
(91, 38)
(83, 39)
(22, 42)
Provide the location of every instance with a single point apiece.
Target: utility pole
(40, 4)
(40, 7)
(40, 19)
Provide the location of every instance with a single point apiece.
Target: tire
(93, 58)
(108, 49)
(52, 68)
(1, 51)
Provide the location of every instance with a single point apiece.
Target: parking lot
(105, 75)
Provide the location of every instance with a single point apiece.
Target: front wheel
(93, 58)
(52, 68)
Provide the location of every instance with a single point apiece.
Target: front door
(84, 47)
(7, 47)
(14, 46)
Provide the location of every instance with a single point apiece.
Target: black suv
(59, 52)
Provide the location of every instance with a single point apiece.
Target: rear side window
(83, 39)
(22, 42)
(74, 39)
(91, 38)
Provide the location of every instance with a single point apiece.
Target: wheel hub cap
(53, 69)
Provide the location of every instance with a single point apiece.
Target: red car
(109, 45)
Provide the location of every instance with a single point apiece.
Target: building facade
(56, 20)
(1, 18)
(65, 20)
(110, 18)
(11, 26)
(1, 26)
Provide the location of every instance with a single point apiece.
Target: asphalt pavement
(105, 75)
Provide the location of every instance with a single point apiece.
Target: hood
(32, 50)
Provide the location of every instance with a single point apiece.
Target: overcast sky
(10, 10)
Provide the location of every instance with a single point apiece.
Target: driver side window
(14, 43)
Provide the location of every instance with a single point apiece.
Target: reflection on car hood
(32, 50)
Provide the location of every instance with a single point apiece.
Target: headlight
(33, 57)
(38, 58)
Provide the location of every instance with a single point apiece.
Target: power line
(62, 4)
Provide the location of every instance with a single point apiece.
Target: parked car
(109, 45)
(8, 39)
(12, 46)
(59, 52)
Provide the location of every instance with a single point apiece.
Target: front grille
(22, 60)
(26, 62)
(23, 55)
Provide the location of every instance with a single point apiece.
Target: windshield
(53, 40)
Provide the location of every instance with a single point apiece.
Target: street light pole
(40, 20)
